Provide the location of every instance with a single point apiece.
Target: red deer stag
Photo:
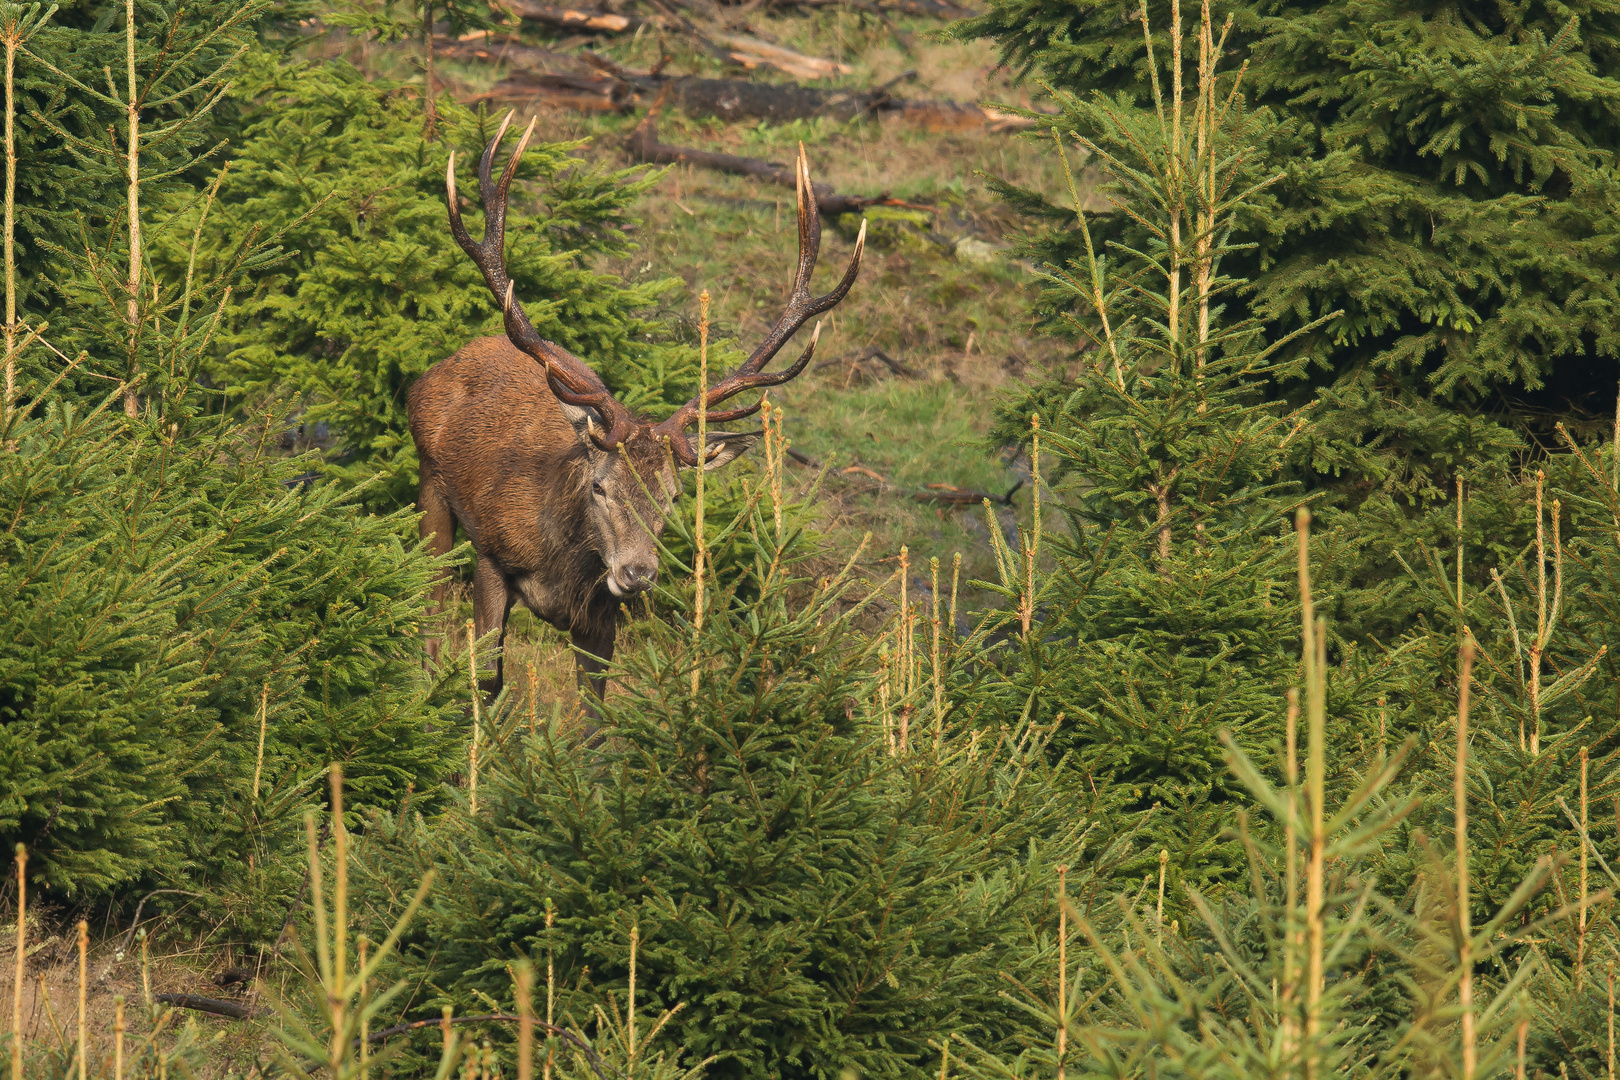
(561, 489)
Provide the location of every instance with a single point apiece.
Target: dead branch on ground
(938, 494)
(233, 1009)
(644, 146)
(858, 367)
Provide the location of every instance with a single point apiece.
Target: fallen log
(499, 49)
(644, 146)
(857, 367)
(579, 20)
(233, 1009)
(733, 99)
(585, 92)
(932, 9)
(951, 495)
(939, 494)
(751, 53)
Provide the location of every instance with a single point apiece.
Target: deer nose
(636, 577)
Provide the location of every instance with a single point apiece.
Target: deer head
(632, 460)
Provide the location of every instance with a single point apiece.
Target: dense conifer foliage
(1446, 187)
(1281, 741)
(164, 598)
(813, 900)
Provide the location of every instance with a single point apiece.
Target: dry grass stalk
(84, 992)
(534, 691)
(472, 747)
(523, 975)
(1465, 932)
(630, 1000)
(701, 540)
(118, 1037)
(1291, 939)
(1580, 932)
(551, 987)
(146, 967)
(956, 579)
(1063, 971)
(1546, 618)
(365, 1016)
(340, 912)
(13, 40)
(1611, 1020)
(1459, 543)
(1524, 1033)
(1164, 861)
(938, 674)
(258, 763)
(19, 962)
(904, 649)
(1032, 543)
(1315, 651)
(132, 120)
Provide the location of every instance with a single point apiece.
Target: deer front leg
(438, 528)
(492, 599)
(594, 652)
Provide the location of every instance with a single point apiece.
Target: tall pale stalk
(1315, 651)
(1289, 1005)
(17, 27)
(1465, 932)
(1580, 933)
(84, 1012)
(132, 123)
(430, 104)
(19, 963)
(1063, 970)
(700, 545)
(13, 40)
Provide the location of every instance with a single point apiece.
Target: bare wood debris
(868, 365)
(644, 146)
(536, 80)
(540, 76)
(942, 495)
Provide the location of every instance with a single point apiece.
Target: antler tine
(801, 308)
(570, 378)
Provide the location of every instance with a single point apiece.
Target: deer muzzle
(631, 578)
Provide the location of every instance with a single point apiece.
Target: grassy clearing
(960, 324)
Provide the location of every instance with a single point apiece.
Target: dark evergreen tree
(160, 599)
(1155, 622)
(191, 632)
(1447, 187)
(817, 899)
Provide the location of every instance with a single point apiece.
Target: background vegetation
(1267, 731)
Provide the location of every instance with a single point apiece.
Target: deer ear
(726, 446)
(582, 420)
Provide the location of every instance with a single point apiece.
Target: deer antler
(569, 376)
(801, 308)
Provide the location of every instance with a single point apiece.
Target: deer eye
(598, 490)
